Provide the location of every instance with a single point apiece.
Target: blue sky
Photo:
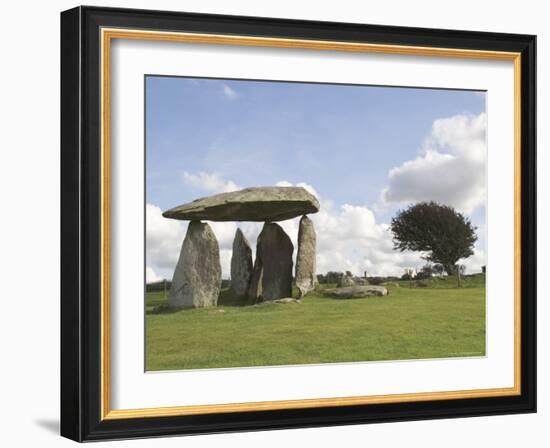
(342, 140)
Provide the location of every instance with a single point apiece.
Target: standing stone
(306, 279)
(241, 265)
(272, 276)
(198, 274)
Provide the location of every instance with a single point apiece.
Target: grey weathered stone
(306, 279)
(281, 301)
(345, 280)
(250, 204)
(356, 292)
(272, 276)
(197, 278)
(255, 287)
(360, 281)
(241, 265)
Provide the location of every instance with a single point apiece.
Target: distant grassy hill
(437, 320)
(467, 281)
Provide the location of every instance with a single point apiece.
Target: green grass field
(434, 321)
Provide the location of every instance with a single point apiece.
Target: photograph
(273, 223)
(300, 223)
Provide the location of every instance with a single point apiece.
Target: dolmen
(197, 278)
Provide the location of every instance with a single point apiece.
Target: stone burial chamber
(197, 277)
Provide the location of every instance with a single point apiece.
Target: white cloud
(348, 237)
(163, 241)
(307, 187)
(151, 276)
(165, 237)
(209, 182)
(450, 168)
(229, 92)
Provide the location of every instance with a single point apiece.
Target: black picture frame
(81, 224)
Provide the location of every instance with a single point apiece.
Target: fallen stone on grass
(356, 292)
(283, 300)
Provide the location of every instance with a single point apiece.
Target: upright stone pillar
(272, 275)
(241, 265)
(306, 277)
(197, 278)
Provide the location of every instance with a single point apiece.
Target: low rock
(345, 280)
(360, 281)
(356, 292)
(283, 300)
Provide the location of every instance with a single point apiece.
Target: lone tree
(445, 234)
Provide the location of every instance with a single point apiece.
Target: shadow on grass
(228, 298)
(163, 309)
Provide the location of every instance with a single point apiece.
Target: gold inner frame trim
(107, 35)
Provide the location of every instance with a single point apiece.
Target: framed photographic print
(273, 223)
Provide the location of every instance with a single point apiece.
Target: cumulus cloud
(164, 238)
(450, 168)
(230, 93)
(349, 237)
(307, 187)
(209, 182)
(163, 241)
(151, 276)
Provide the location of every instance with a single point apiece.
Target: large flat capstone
(251, 204)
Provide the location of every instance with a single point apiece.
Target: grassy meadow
(435, 320)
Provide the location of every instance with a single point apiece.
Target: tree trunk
(451, 269)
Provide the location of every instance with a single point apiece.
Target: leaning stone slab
(250, 204)
(357, 292)
(241, 265)
(306, 279)
(197, 278)
(272, 276)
